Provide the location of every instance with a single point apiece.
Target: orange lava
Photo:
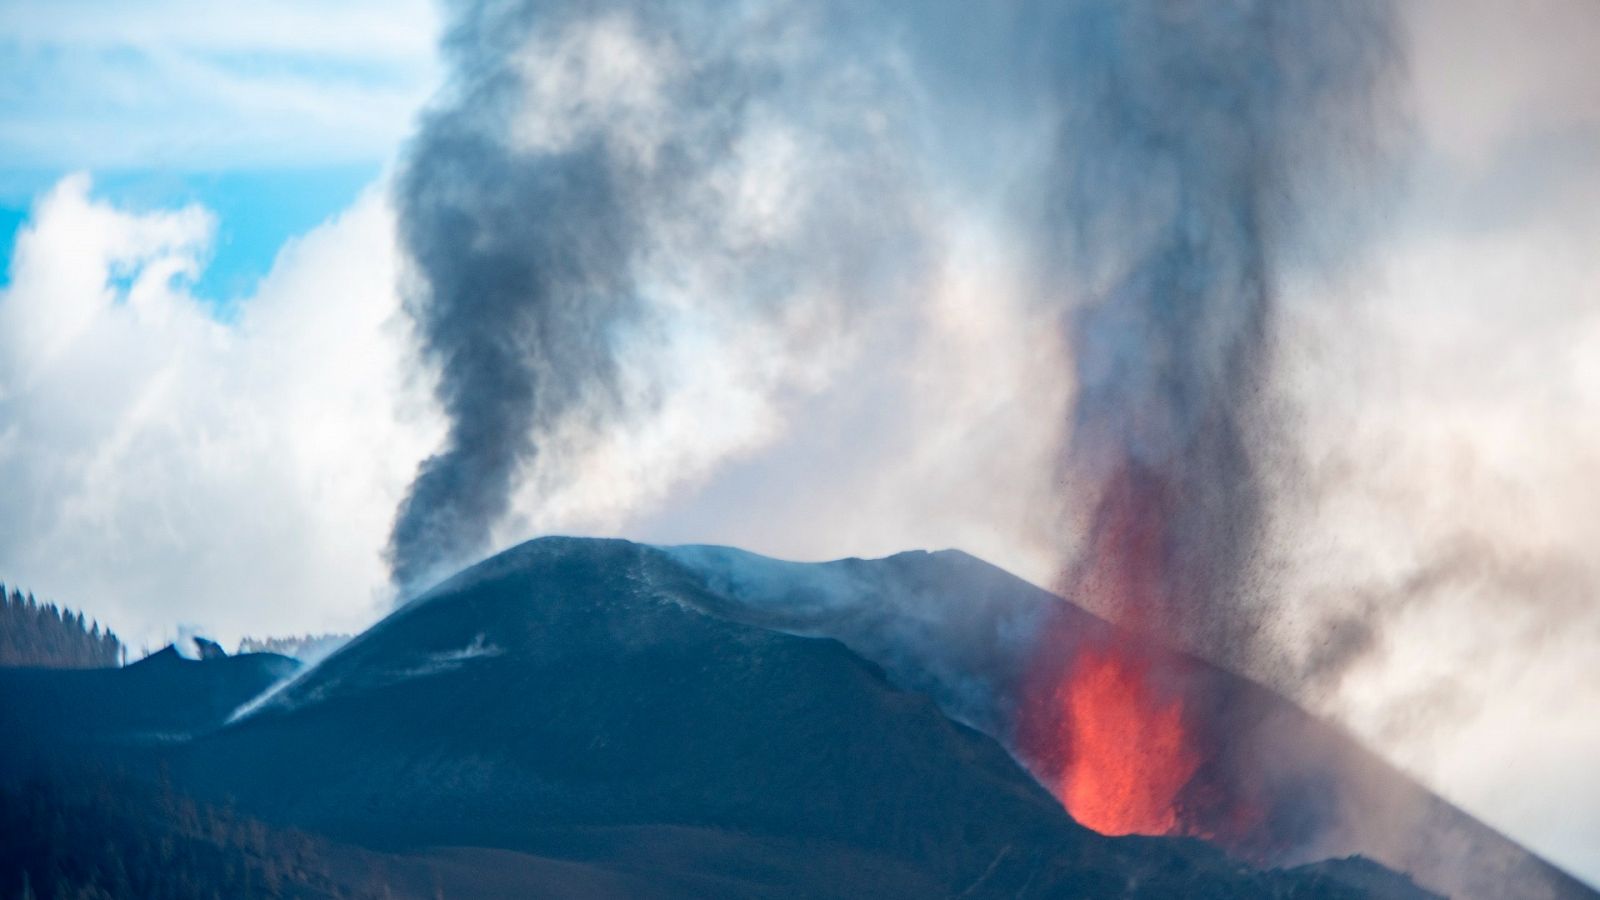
(1107, 728)
(1129, 752)
(1122, 740)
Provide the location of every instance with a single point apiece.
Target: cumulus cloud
(163, 467)
(241, 476)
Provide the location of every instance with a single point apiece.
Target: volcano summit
(579, 717)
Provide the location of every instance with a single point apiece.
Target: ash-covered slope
(163, 697)
(574, 706)
(979, 639)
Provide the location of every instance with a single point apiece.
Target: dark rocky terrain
(980, 641)
(591, 718)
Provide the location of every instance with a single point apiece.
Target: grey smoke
(1160, 157)
(522, 264)
(1463, 572)
(584, 164)
(1167, 161)
(1196, 139)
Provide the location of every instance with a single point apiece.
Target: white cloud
(241, 477)
(1480, 66)
(162, 467)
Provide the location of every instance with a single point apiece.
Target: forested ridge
(44, 634)
(304, 647)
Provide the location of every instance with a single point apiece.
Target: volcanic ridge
(581, 717)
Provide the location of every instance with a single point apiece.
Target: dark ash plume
(586, 161)
(1194, 139)
(522, 268)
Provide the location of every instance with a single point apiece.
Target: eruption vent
(602, 175)
(1128, 743)
(1130, 748)
(1193, 136)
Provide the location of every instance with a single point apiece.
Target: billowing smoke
(1196, 138)
(602, 178)
(1194, 141)
(595, 169)
(523, 255)
(735, 181)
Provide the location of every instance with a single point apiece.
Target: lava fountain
(1132, 735)
(1195, 143)
(1111, 732)
(1130, 754)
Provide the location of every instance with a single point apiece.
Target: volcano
(581, 717)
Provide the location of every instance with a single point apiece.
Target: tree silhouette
(46, 635)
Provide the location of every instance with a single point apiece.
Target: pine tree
(45, 634)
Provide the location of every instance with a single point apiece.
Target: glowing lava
(1112, 734)
(1128, 751)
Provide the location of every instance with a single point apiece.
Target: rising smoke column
(1195, 141)
(593, 164)
(1198, 138)
(522, 262)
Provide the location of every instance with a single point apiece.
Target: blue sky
(257, 211)
(273, 116)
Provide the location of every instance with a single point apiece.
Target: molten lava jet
(1129, 747)
(1108, 730)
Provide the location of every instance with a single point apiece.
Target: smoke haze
(1152, 214)
(594, 170)
(1431, 400)
(1194, 141)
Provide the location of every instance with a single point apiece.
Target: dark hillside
(572, 699)
(978, 640)
(45, 635)
(570, 719)
(46, 713)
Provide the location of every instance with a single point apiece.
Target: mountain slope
(979, 640)
(595, 718)
(572, 711)
(162, 697)
(574, 700)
